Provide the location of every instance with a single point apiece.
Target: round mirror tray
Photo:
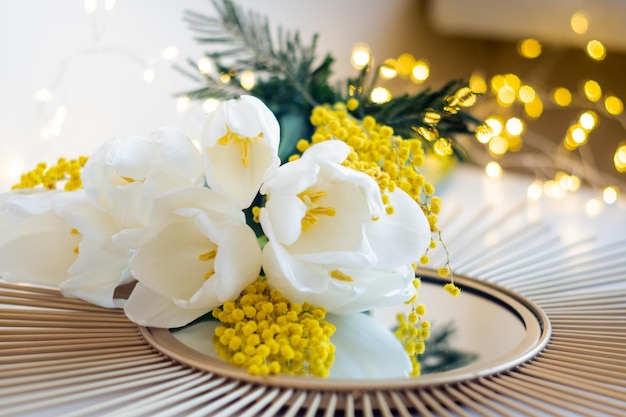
(487, 330)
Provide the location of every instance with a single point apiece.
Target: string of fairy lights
(497, 143)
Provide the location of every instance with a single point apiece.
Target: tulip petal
(365, 349)
(402, 237)
(41, 258)
(148, 308)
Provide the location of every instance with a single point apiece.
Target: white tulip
(37, 245)
(124, 175)
(331, 242)
(61, 239)
(101, 265)
(240, 147)
(197, 253)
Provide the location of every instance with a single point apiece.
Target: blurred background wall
(75, 73)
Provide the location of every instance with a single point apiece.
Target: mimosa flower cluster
(342, 229)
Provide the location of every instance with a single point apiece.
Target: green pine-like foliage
(291, 80)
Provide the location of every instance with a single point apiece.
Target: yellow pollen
(209, 274)
(75, 232)
(76, 250)
(338, 275)
(207, 255)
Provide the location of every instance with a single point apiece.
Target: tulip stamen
(310, 199)
(207, 256)
(244, 145)
(338, 275)
(243, 141)
(131, 180)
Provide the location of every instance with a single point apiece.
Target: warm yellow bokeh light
(513, 81)
(561, 96)
(493, 169)
(593, 207)
(572, 183)
(534, 109)
(225, 78)
(619, 159)
(529, 48)
(613, 105)
(592, 90)
(205, 66)
(526, 94)
(380, 95)
(596, 50)
(609, 195)
(477, 83)
(183, 104)
(515, 126)
(405, 64)
(497, 82)
(568, 142)
(247, 80)
(535, 190)
(388, 69)
(420, 71)
(495, 125)
(506, 96)
(579, 135)
(515, 143)
(579, 22)
(553, 189)
(588, 120)
(210, 105)
(498, 145)
(360, 55)
(483, 133)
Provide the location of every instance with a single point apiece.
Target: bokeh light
(529, 48)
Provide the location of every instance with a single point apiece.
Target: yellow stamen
(75, 232)
(207, 255)
(326, 211)
(338, 275)
(244, 143)
(131, 180)
(310, 199)
(209, 274)
(76, 250)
